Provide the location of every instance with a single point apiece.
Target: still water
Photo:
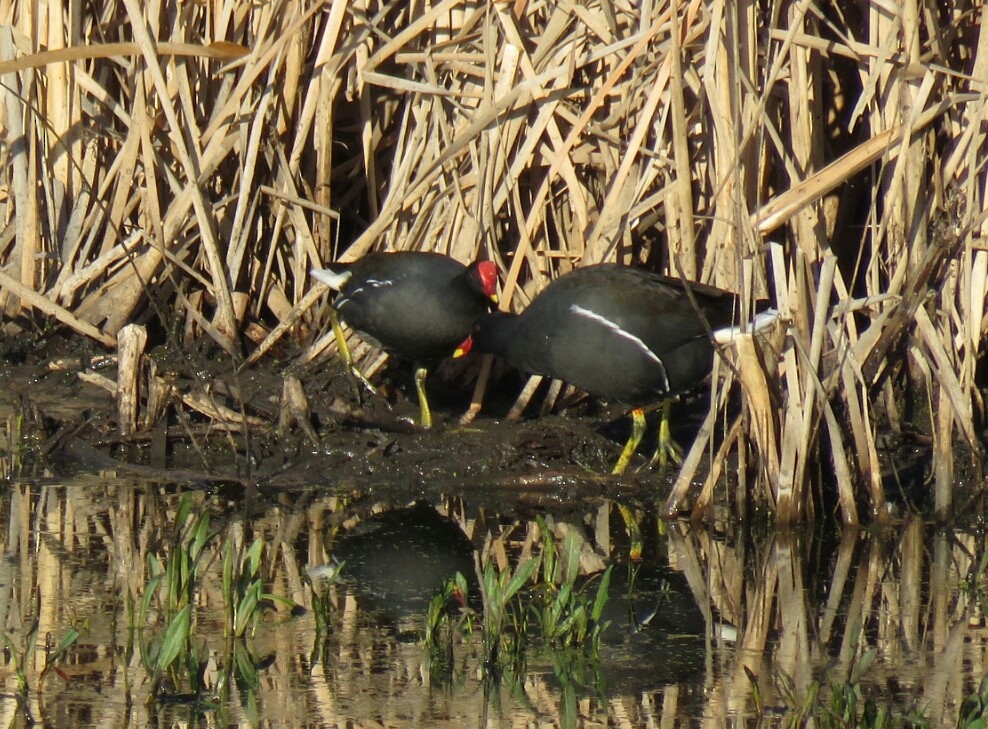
(707, 627)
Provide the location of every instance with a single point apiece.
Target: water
(709, 628)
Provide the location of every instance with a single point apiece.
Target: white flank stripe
(760, 323)
(371, 283)
(593, 316)
(376, 283)
(334, 280)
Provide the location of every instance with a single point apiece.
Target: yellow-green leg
(667, 449)
(344, 348)
(425, 413)
(637, 430)
(634, 531)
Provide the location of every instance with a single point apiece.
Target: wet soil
(362, 441)
(349, 438)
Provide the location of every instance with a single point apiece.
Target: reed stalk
(190, 163)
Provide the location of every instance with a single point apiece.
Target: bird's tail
(762, 321)
(330, 277)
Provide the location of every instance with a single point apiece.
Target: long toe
(667, 449)
(665, 452)
(361, 378)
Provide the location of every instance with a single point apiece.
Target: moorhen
(417, 305)
(619, 333)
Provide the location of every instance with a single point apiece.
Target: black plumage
(416, 305)
(619, 333)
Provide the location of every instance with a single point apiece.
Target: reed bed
(183, 166)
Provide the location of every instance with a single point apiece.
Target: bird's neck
(495, 333)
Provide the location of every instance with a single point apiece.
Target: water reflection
(809, 610)
(396, 560)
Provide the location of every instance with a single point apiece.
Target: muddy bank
(363, 442)
(247, 430)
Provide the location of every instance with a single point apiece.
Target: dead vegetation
(182, 169)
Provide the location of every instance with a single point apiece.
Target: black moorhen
(619, 333)
(417, 305)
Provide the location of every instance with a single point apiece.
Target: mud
(359, 441)
(355, 440)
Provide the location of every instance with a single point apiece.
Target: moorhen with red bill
(619, 333)
(417, 305)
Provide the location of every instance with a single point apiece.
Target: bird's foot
(358, 379)
(666, 453)
(667, 450)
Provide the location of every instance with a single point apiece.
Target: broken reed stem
(132, 342)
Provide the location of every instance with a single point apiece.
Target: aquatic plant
(554, 614)
(174, 653)
(243, 588)
(974, 708)
(505, 622)
(171, 588)
(244, 599)
(322, 608)
(22, 658)
(566, 614)
(440, 629)
(845, 704)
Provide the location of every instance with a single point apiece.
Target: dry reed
(189, 163)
